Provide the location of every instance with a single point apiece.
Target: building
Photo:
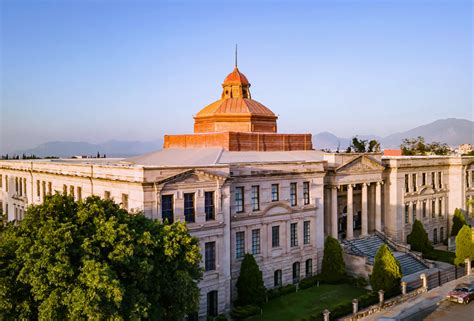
(243, 187)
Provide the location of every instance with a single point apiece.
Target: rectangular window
(6, 183)
(433, 208)
(1, 181)
(255, 198)
(239, 199)
(107, 195)
(309, 267)
(43, 185)
(210, 256)
(79, 193)
(293, 191)
(277, 278)
(64, 189)
(275, 236)
(275, 192)
(414, 182)
(440, 207)
(296, 272)
(467, 179)
(433, 179)
(71, 191)
(189, 207)
(423, 179)
(212, 304)
(424, 209)
(440, 180)
(16, 184)
(407, 184)
(414, 211)
(306, 232)
(209, 205)
(294, 234)
(20, 185)
(306, 193)
(124, 201)
(50, 188)
(167, 208)
(256, 241)
(239, 244)
(407, 212)
(38, 188)
(24, 186)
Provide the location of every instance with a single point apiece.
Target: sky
(134, 70)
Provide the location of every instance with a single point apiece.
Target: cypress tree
(458, 222)
(386, 273)
(333, 267)
(464, 245)
(250, 287)
(418, 238)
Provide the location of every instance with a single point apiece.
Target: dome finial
(235, 55)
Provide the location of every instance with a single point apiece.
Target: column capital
(380, 183)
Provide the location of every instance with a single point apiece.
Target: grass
(440, 255)
(303, 303)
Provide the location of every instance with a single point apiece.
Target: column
(378, 207)
(350, 218)
(334, 220)
(365, 223)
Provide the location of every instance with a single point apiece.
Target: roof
(392, 152)
(218, 156)
(232, 106)
(236, 77)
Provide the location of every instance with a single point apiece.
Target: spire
(235, 55)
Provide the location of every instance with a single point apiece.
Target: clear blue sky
(99, 70)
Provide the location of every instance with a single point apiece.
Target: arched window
(309, 267)
(277, 278)
(296, 272)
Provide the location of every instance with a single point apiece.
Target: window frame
(255, 198)
(275, 192)
(293, 194)
(209, 209)
(306, 232)
(275, 236)
(168, 212)
(189, 207)
(256, 242)
(306, 193)
(293, 234)
(239, 201)
(239, 244)
(210, 256)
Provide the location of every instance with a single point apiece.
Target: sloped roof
(233, 106)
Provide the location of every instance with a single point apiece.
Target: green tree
(92, 260)
(374, 146)
(418, 238)
(386, 273)
(464, 245)
(333, 267)
(250, 287)
(458, 222)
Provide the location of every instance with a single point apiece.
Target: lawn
(303, 303)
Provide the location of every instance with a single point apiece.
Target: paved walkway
(425, 305)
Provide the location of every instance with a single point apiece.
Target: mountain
(112, 148)
(451, 131)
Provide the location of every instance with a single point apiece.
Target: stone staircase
(368, 247)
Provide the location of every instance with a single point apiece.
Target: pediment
(277, 208)
(426, 190)
(363, 163)
(192, 176)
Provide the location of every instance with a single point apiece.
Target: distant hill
(451, 131)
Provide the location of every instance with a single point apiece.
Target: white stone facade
(239, 202)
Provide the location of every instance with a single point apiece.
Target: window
(440, 180)
(414, 211)
(79, 195)
(212, 304)
(1, 181)
(38, 188)
(423, 179)
(210, 256)
(407, 212)
(433, 179)
(441, 234)
(309, 267)
(305, 193)
(424, 208)
(407, 184)
(16, 184)
(24, 185)
(277, 278)
(239, 199)
(189, 207)
(124, 201)
(293, 200)
(209, 205)
(275, 236)
(50, 188)
(293, 234)
(6, 183)
(414, 182)
(71, 191)
(306, 232)
(20, 185)
(43, 185)
(256, 241)
(255, 198)
(467, 179)
(440, 207)
(435, 236)
(275, 192)
(239, 244)
(433, 208)
(65, 190)
(167, 208)
(107, 195)
(296, 272)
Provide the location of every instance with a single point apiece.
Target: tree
(418, 146)
(363, 146)
(374, 146)
(464, 245)
(333, 267)
(92, 260)
(386, 273)
(418, 238)
(458, 222)
(250, 288)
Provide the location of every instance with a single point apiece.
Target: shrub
(458, 222)
(290, 288)
(464, 246)
(439, 255)
(278, 292)
(250, 288)
(368, 299)
(386, 273)
(341, 310)
(418, 238)
(309, 282)
(244, 311)
(333, 267)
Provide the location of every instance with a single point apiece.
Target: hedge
(277, 292)
(245, 311)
